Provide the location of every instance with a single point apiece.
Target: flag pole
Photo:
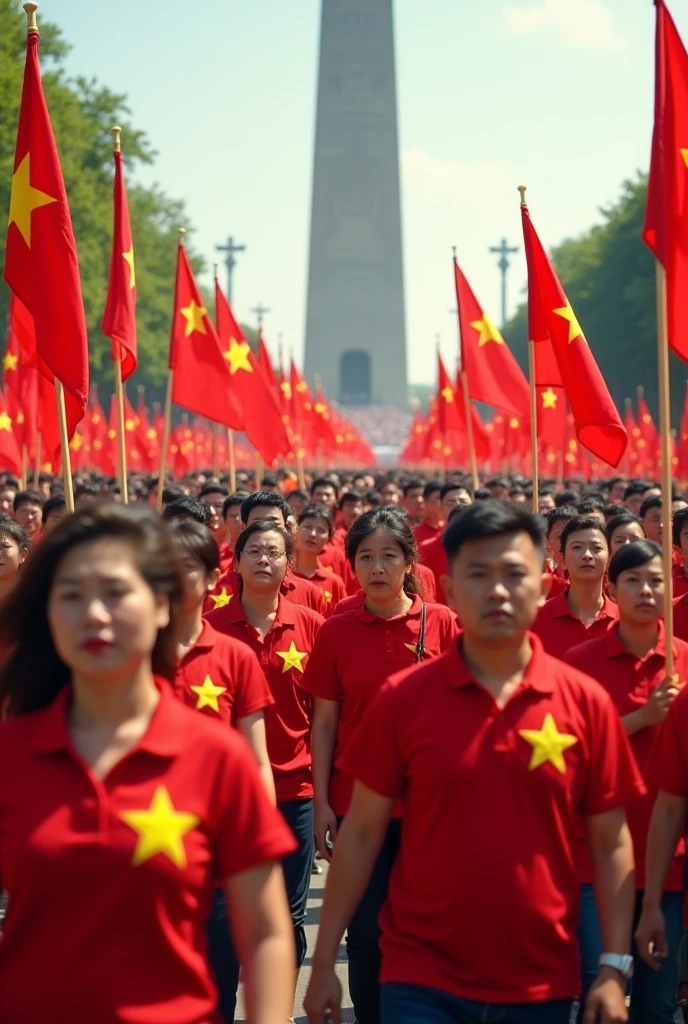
(467, 404)
(232, 460)
(167, 416)
(24, 467)
(64, 446)
(533, 401)
(259, 469)
(119, 389)
(37, 465)
(665, 448)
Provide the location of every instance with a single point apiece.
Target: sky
(553, 94)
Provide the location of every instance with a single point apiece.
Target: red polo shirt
(670, 754)
(432, 554)
(112, 879)
(331, 587)
(353, 655)
(333, 558)
(630, 681)
(221, 677)
(424, 531)
(498, 792)
(283, 654)
(560, 630)
(296, 588)
(679, 580)
(226, 557)
(681, 617)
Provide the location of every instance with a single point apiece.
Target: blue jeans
(297, 867)
(652, 992)
(363, 933)
(415, 1004)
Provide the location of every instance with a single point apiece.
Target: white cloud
(580, 24)
(484, 186)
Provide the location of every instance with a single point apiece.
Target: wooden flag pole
(24, 467)
(37, 464)
(259, 469)
(665, 443)
(119, 389)
(300, 471)
(232, 460)
(64, 447)
(469, 432)
(164, 444)
(533, 402)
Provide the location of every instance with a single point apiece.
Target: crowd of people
(459, 703)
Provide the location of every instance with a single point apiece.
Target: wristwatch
(621, 963)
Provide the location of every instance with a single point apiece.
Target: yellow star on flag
(24, 199)
(292, 658)
(161, 829)
(447, 394)
(237, 356)
(221, 600)
(285, 388)
(574, 327)
(548, 744)
(76, 443)
(193, 314)
(208, 694)
(129, 424)
(487, 331)
(549, 399)
(5, 421)
(129, 257)
(684, 154)
(10, 361)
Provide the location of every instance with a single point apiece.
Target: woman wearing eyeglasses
(282, 635)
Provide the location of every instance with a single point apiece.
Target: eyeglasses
(272, 554)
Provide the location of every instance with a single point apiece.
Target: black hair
(679, 522)
(269, 480)
(57, 501)
(262, 526)
(28, 497)
(654, 501)
(316, 511)
(323, 481)
(497, 481)
(350, 498)
(188, 508)
(301, 495)
(89, 489)
(10, 528)
(263, 499)
(636, 487)
(611, 511)
(589, 506)
(412, 485)
(33, 673)
(230, 501)
(432, 487)
(483, 494)
(452, 486)
(213, 488)
(492, 518)
(196, 540)
(623, 519)
(545, 492)
(566, 499)
(579, 524)
(632, 556)
(556, 515)
(395, 522)
(170, 494)
(373, 498)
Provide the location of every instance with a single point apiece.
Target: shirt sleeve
(372, 757)
(250, 830)
(613, 777)
(252, 691)
(321, 677)
(669, 760)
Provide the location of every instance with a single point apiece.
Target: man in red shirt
(496, 751)
(679, 529)
(413, 501)
(431, 553)
(213, 495)
(582, 611)
(433, 521)
(629, 661)
(231, 517)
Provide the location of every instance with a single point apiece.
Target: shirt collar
(162, 738)
(616, 648)
(561, 607)
(366, 616)
(538, 675)
(286, 612)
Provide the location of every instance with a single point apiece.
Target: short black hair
(654, 501)
(350, 498)
(556, 515)
(213, 488)
(497, 481)
(566, 498)
(373, 498)
(264, 499)
(412, 485)
(54, 502)
(588, 506)
(491, 518)
(10, 528)
(188, 508)
(611, 511)
(452, 485)
(301, 495)
(636, 487)
(90, 489)
(230, 501)
(28, 497)
(269, 480)
(579, 524)
(679, 522)
(170, 494)
(483, 494)
(323, 481)
(316, 511)
(632, 556)
(624, 518)
(432, 487)
(196, 540)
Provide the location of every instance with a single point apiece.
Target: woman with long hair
(282, 635)
(121, 809)
(354, 654)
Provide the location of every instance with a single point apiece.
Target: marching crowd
(462, 705)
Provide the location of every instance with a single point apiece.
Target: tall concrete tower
(355, 329)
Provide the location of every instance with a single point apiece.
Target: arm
(655, 709)
(611, 850)
(323, 739)
(358, 844)
(263, 932)
(252, 728)
(666, 827)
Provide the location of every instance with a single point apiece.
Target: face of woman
(103, 616)
(313, 535)
(625, 535)
(11, 557)
(380, 565)
(263, 562)
(196, 582)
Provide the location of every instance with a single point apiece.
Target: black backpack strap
(420, 646)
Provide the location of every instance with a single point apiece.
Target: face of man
(351, 510)
(296, 503)
(495, 587)
(499, 492)
(325, 494)
(414, 503)
(457, 496)
(616, 492)
(633, 503)
(214, 501)
(586, 555)
(433, 509)
(553, 538)
(269, 512)
(545, 504)
(389, 493)
(652, 524)
(233, 525)
(7, 496)
(28, 515)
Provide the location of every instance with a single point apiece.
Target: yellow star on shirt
(161, 829)
(292, 658)
(24, 199)
(237, 356)
(129, 257)
(5, 421)
(548, 744)
(549, 399)
(208, 694)
(221, 600)
(574, 327)
(327, 596)
(413, 648)
(10, 361)
(487, 330)
(447, 394)
(193, 314)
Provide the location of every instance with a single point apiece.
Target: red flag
(21, 380)
(682, 443)
(494, 376)
(40, 390)
(119, 318)
(412, 451)
(598, 424)
(10, 457)
(665, 230)
(302, 412)
(265, 363)
(41, 264)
